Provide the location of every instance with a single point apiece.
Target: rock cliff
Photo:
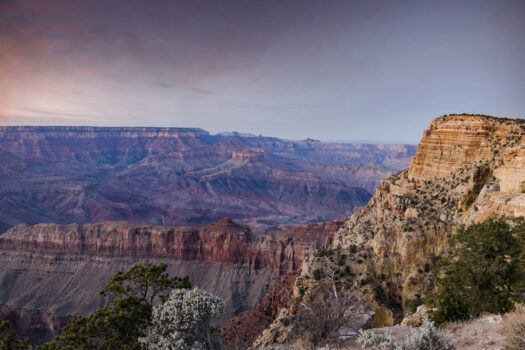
(467, 168)
(51, 272)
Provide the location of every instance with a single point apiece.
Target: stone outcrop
(183, 177)
(51, 272)
(466, 169)
(244, 328)
(453, 142)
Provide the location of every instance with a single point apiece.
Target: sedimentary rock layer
(466, 169)
(183, 176)
(51, 272)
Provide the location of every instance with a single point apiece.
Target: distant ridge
(182, 176)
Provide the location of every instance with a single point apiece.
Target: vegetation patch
(484, 272)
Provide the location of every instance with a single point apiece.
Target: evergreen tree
(8, 339)
(483, 272)
(119, 324)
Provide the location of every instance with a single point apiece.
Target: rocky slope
(177, 176)
(467, 168)
(51, 272)
(242, 329)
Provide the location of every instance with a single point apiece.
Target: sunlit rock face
(455, 141)
(466, 169)
(183, 176)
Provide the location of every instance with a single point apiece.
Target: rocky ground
(479, 334)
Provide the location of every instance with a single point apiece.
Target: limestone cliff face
(51, 272)
(452, 142)
(467, 168)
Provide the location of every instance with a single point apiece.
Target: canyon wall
(183, 176)
(467, 168)
(51, 272)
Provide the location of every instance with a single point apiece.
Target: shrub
(8, 339)
(319, 321)
(482, 273)
(412, 304)
(119, 324)
(304, 342)
(375, 341)
(425, 337)
(183, 322)
(513, 329)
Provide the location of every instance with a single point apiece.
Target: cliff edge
(467, 168)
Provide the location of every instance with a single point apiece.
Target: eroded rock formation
(51, 272)
(183, 176)
(467, 168)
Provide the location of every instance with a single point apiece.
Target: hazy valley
(183, 177)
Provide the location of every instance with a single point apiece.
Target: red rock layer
(223, 242)
(249, 265)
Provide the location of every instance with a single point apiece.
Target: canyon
(79, 203)
(183, 176)
(52, 272)
(467, 168)
(380, 259)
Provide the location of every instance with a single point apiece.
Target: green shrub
(8, 339)
(482, 273)
(412, 304)
(119, 324)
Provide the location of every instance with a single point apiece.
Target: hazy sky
(332, 70)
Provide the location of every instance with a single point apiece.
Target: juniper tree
(119, 324)
(483, 272)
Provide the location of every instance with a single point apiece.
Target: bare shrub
(513, 329)
(304, 342)
(319, 321)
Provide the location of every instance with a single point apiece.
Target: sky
(326, 69)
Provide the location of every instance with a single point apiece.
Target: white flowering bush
(425, 337)
(377, 341)
(182, 322)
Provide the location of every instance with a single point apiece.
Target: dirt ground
(480, 334)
